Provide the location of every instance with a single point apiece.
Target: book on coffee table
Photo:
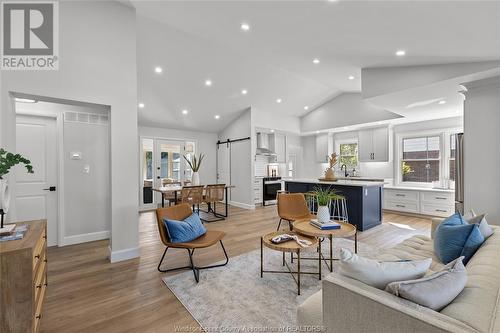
(332, 225)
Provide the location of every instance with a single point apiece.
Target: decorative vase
(195, 179)
(329, 174)
(323, 214)
(4, 195)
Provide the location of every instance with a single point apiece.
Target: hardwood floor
(88, 294)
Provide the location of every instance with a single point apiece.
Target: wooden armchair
(211, 237)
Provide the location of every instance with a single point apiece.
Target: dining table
(176, 188)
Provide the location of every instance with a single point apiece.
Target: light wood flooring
(88, 294)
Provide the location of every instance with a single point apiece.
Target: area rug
(235, 295)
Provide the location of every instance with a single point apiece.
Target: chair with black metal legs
(292, 207)
(210, 238)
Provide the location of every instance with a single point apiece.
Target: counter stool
(339, 206)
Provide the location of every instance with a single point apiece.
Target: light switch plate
(75, 155)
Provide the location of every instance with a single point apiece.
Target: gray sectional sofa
(346, 305)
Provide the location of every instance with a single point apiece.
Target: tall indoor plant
(324, 196)
(194, 164)
(7, 161)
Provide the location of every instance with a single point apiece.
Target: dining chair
(214, 193)
(210, 238)
(192, 195)
(292, 207)
(170, 196)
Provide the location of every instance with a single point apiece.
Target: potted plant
(7, 161)
(194, 164)
(332, 161)
(324, 196)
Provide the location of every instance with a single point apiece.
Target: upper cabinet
(322, 148)
(373, 145)
(277, 144)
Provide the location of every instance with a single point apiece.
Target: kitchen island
(364, 198)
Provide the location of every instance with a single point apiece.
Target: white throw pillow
(379, 274)
(481, 222)
(435, 291)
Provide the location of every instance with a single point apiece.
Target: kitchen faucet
(344, 167)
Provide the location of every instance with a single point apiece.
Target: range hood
(263, 145)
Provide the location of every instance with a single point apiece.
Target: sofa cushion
(434, 291)
(484, 227)
(310, 313)
(380, 273)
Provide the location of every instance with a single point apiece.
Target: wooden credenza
(23, 279)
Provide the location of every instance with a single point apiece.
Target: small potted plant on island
(329, 172)
(7, 161)
(324, 196)
(194, 164)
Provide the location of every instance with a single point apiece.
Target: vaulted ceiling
(195, 41)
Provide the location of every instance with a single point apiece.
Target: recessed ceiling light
(351, 77)
(272, 131)
(208, 83)
(185, 111)
(244, 91)
(25, 100)
(400, 53)
(141, 105)
(316, 61)
(306, 107)
(217, 116)
(245, 26)
(279, 100)
(442, 102)
(158, 70)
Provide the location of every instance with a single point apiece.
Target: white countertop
(337, 182)
(425, 189)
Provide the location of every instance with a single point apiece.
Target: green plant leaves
(8, 160)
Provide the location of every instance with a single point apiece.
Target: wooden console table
(23, 271)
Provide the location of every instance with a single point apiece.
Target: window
(348, 154)
(421, 159)
(452, 164)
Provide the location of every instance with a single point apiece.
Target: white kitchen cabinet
(425, 201)
(278, 145)
(373, 145)
(322, 148)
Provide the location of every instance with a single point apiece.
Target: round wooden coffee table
(346, 230)
(289, 246)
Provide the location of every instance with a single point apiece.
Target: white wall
(344, 110)
(482, 148)
(276, 121)
(97, 65)
(241, 159)
(205, 144)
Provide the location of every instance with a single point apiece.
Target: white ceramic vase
(323, 214)
(195, 179)
(4, 195)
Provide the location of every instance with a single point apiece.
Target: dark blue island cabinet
(364, 200)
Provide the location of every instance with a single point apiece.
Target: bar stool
(311, 202)
(339, 212)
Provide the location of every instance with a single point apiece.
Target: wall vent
(85, 118)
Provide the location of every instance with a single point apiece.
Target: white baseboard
(122, 255)
(83, 238)
(241, 205)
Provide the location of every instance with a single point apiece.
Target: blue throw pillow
(473, 242)
(185, 231)
(454, 237)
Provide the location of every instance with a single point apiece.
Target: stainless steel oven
(271, 186)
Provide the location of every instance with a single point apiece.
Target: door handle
(51, 189)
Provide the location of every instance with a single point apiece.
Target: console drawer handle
(441, 210)
(38, 316)
(400, 195)
(37, 256)
(402, 206)
(39, 286)
(440, 198)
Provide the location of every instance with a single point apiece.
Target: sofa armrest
(352, 306)
(435, 222)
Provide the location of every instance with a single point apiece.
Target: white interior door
(36, 139)
(224, 165)
(169, 163)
